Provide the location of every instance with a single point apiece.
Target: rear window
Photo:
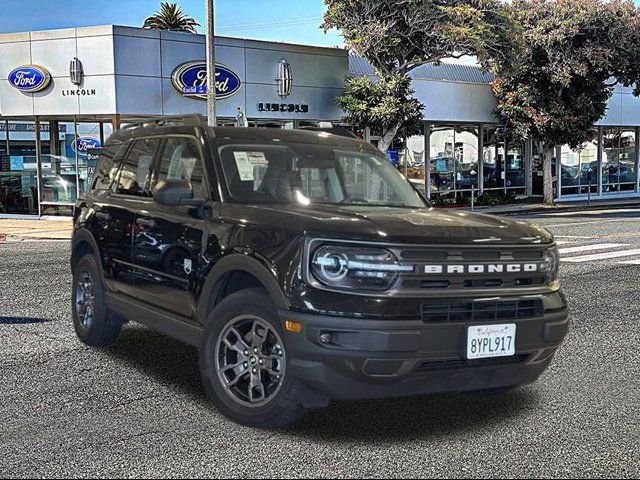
(107, 168)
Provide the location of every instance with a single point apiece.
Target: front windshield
(314, 174)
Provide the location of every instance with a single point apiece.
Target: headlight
(355, 268)
(552, 263)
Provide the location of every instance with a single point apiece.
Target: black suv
(305, 268)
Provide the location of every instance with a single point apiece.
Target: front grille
(440, 365)
(432, 264)
(481, 311)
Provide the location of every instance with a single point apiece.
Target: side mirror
(175, 193)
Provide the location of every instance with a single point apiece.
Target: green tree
(396, 36)
(384, 106)
(554, 82)
(171, 17)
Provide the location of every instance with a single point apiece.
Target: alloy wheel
(250, 360)
(85, 300)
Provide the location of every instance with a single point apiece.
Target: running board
(155, 319)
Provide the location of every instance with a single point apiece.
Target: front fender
(244, 263)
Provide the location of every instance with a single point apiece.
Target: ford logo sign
(190, 79)
(83, 144)
(29, 78)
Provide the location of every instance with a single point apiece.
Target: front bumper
(388, 358)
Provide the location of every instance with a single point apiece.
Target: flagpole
(211, 69)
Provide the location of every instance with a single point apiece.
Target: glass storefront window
(466, 156)
(441, 160)
(493, 154)
(59, 182)
(575, 164)
(412, 161)
(515, 179)
(453, 158)
(18, 168)
(67, 163)
(618, 160)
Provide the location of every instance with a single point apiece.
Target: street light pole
(211, 66)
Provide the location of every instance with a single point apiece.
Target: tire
(101, 328)
(493, 392)
(277, 403)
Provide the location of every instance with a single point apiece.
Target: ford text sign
(29, 78)
(83, 144)
(190, 79)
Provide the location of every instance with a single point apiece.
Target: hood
(403, 225)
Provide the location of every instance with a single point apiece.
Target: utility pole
(211, 66)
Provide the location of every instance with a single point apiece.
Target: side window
(182, 160)
(135, 168)
(107, 168)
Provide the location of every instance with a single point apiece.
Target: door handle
(146, 222)
(103, 216)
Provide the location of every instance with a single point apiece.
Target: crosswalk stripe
(563, 242)
(596, 246)
(581, 237)
(629, 262)
(601, 256)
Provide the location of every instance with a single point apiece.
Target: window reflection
(618, 160)
(18, 167)
(412, 163)
(576, 164)
(453, 158)
(493, 158)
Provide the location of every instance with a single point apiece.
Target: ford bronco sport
(305, 268)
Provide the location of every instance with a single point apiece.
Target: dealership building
(62, 93)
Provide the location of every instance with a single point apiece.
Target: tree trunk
(387, 138)
(548, 154)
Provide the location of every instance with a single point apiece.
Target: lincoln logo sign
(489, 268)
(29, 78)
(190, 79)
(83, 144)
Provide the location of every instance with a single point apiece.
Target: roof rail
(190, 120)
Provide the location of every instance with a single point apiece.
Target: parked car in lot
(305, 268)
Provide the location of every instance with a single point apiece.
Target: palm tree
(170, 17)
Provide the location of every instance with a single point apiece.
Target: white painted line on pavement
(595, 246)
(563, 242)
(601, 256)
(629, 262)
(573, 236)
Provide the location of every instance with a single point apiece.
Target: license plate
(487, 341)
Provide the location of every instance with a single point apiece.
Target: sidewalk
(535, 208)
(21, 230)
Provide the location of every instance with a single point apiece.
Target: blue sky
(280, 20)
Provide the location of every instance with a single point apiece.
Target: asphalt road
(137, 408)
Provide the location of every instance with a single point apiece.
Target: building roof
(445, 72)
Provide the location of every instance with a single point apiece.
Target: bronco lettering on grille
(487, 268)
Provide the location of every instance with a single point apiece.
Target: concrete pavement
(50, 229)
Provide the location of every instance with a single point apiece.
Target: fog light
(325, 338)
(294, 327)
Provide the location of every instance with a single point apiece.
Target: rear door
(129, 193)
(169, 244)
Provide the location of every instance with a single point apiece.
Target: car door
(169, 246)
(117, 214)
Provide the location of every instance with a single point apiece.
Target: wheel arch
(237, 272)
(82, 243)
